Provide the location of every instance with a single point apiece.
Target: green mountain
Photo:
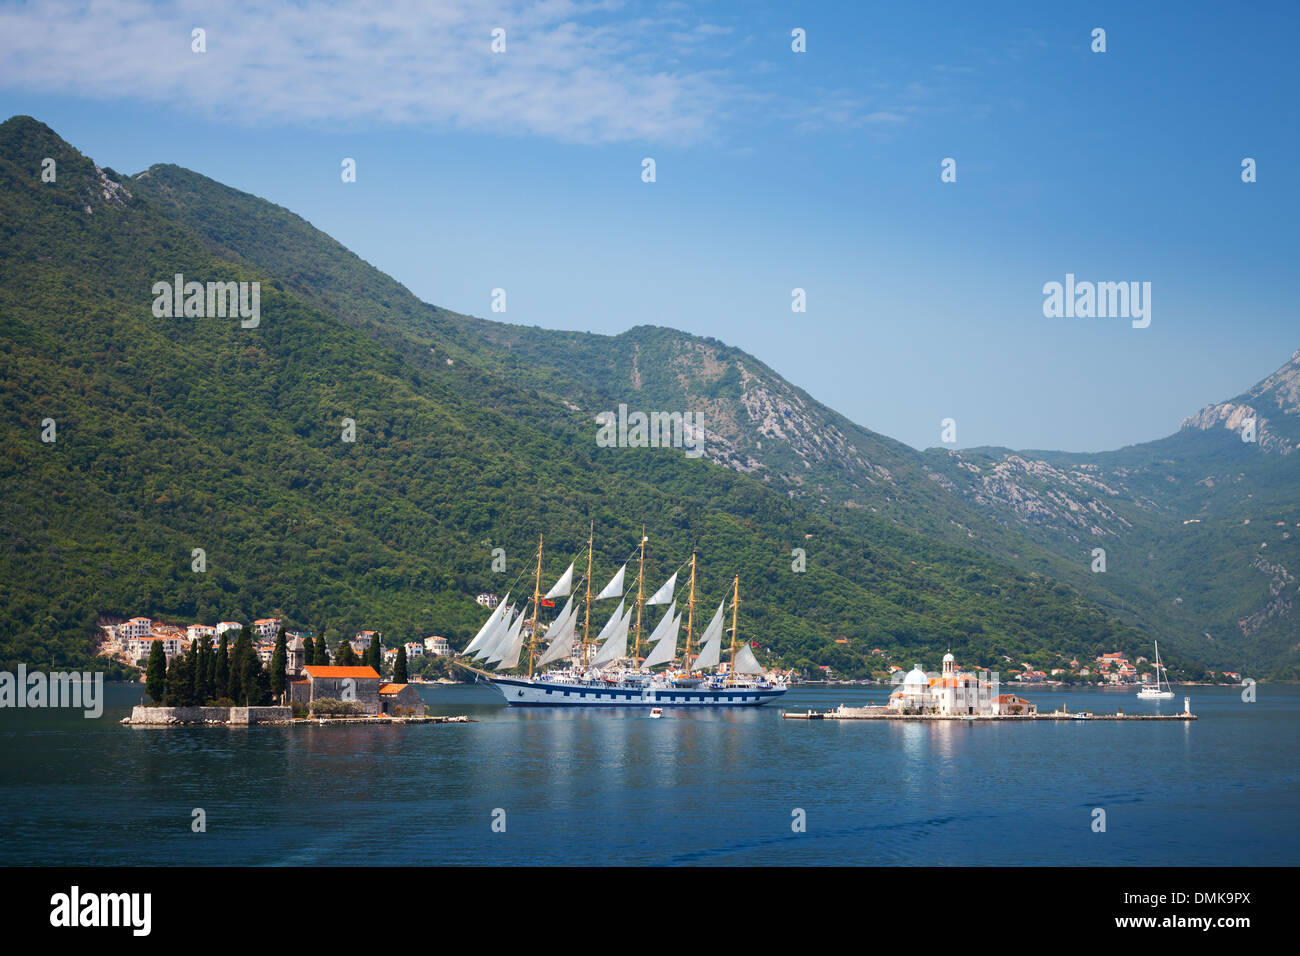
(176, 434)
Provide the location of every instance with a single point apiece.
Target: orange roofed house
(401, 700)
(333, 682)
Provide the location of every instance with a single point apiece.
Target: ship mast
(735, 612)
(586, 624)
(640, 594)
(537, 600)
(690, 616)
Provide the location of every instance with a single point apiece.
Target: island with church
(955, 694)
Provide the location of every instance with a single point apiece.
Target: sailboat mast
(537, 600)
(690, 616)
(586, 624)
(735, 614)
(640, 594)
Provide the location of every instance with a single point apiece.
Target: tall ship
(575, 669)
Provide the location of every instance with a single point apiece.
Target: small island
(231, 687)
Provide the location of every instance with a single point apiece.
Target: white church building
(954, 692)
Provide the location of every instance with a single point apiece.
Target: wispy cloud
(572, 70)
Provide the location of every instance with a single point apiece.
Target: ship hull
(520, 692)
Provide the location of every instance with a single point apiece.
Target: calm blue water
(599, 786)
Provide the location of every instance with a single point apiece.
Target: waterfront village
(318, 681)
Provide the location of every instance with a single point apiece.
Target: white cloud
(572, 71)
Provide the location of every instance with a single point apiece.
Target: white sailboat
(1155, 693)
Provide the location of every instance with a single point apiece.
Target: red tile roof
(392, 688)
(320, 670)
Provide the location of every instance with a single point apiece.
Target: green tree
(209, 670)
(239, 663)
(254, 681)
(375, 653)
(345, 656)
(155, 675)
(221, 675)
(198, 684)
(399, 666)
(279, 662)
(308, 651)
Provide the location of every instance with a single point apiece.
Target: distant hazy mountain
(184, 433)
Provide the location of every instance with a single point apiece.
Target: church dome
(949, 659)
(916, 676)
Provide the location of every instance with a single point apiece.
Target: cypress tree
(188, 685)
(254, 683)
(221, 686)
(198, 685)
(377, 653)
(239, 663)
(279, 663)
(345, 656)
(155, 675)
(322, 651)
(209, 670)
(399, 666)
(308, 651)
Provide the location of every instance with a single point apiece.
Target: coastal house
(266, 627)
(487, 599)
(401, 700)
(338, 683)
(1010, 704)
(437, 646)
(414, 649)
(196, 632)
(228, 626)
(139, 648)
(136, 627)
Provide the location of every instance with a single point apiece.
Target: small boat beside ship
(600, 672)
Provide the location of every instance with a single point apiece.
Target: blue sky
(775, 170)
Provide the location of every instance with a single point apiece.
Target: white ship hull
(520, 691)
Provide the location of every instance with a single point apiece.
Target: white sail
(567, 610)
(711, 652)
(746, 662)
(666, 649)
(664, 624)
(616, 646)
(665, 593)
(561, 587)
(493, 640)
(488, 626)
(514, 645)
(561, 635)
(502, 647)
(615, 586)
(612, 623)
